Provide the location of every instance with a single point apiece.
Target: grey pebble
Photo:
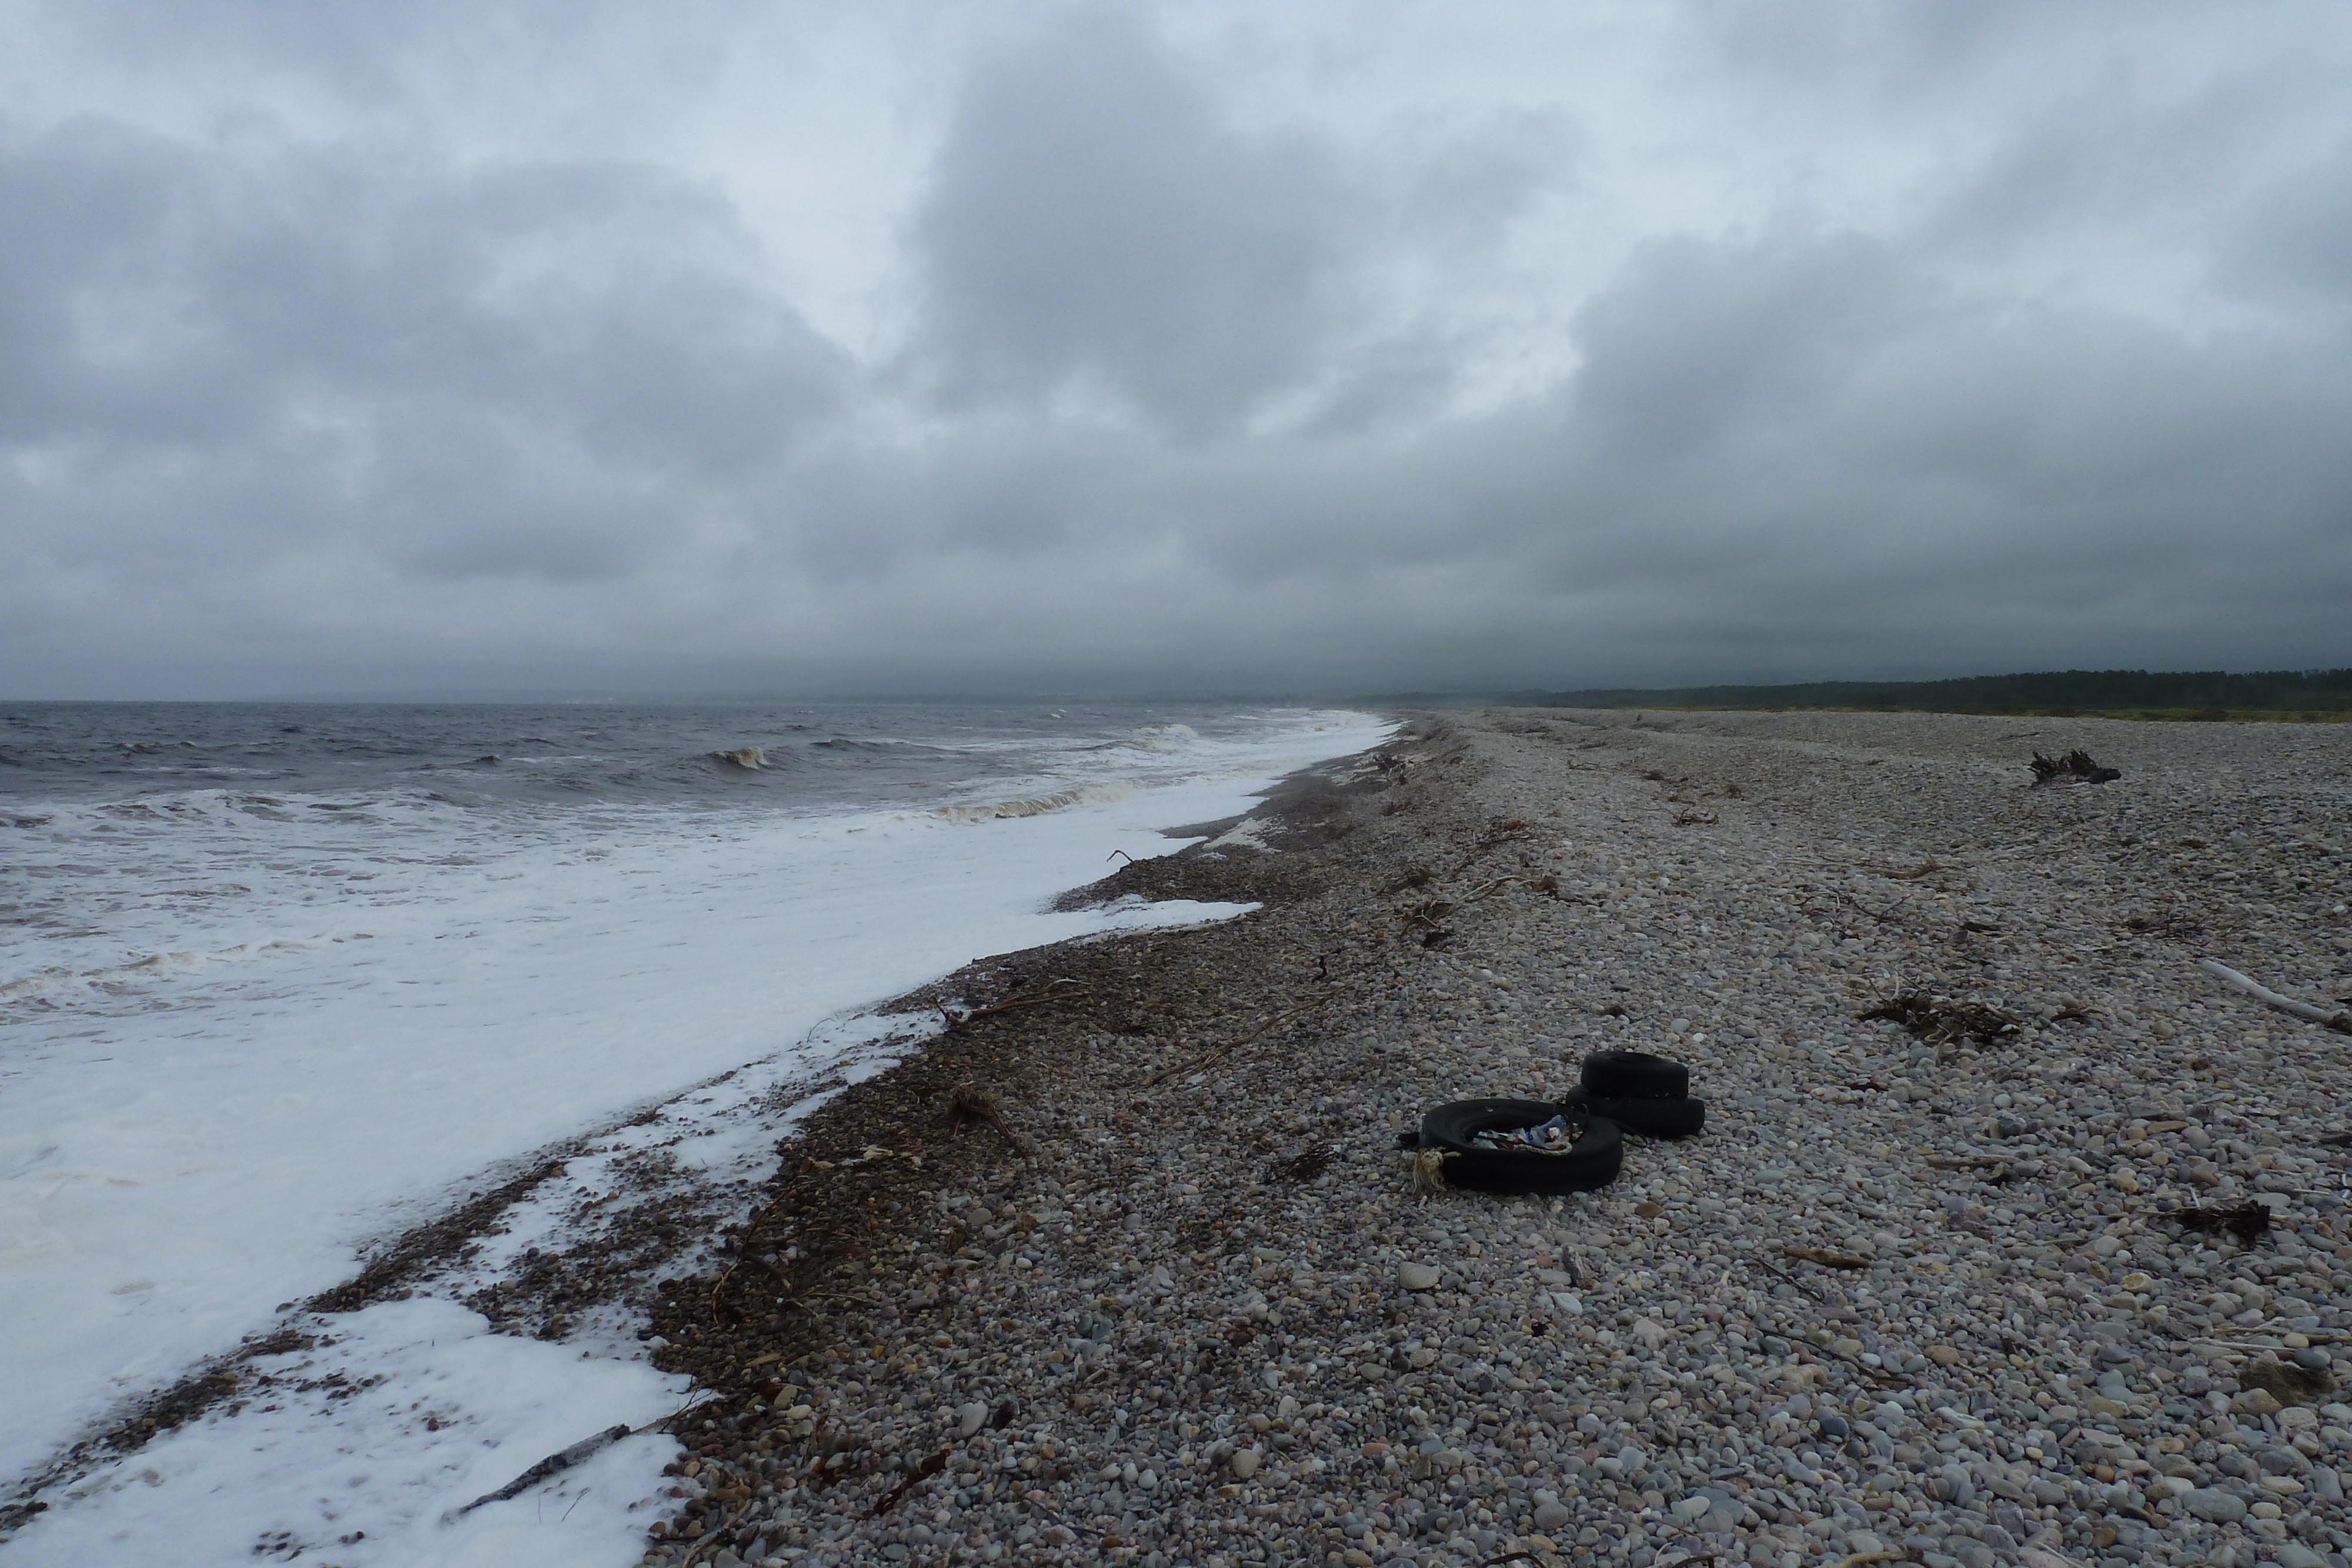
(1415, 1411)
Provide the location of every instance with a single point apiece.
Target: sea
(278, 981)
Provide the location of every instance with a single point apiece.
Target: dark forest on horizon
(2210, 695)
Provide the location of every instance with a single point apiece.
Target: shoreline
(1138, 1272)
(590, 1281)
(1122, 1330)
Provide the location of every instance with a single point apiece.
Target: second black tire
(1593, 1162)
(1635, 1075)
(1680, 1118)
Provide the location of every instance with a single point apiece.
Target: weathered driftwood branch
(1051, 991)
(2340, 1019)
(587, 1448)
(1235, 1043)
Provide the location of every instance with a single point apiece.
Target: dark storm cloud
(1096, 226)
(1093, 219)
(2003, 341)
(473, 370)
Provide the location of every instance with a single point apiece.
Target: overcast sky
(770, 347)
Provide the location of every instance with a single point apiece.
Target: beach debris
(2245, 1221)
(1553, 1137)
(585, 1449)
(1942, 1021)
(2288, 1382)
(1510, 1145)
(1547, 884)
(968, 1101)
(2337, 1018)
(1216, 1051)
(1305, 1167)
(719, 1533)
(2074, 767)
(750, 757)
(2167, 923)
(1493, 838)
(931, 1464)
(1825, 1256)
(1426, 912)
(1059, 990)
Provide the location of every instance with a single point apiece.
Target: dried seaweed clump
(1943, 1021)
(2288, 1383)
(2074, 767)
(970, 1102)
(1305, 1167)
(2245, 1221)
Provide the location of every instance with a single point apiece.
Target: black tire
(1649, 1118)
(1635, 1075)
(1594, 1162)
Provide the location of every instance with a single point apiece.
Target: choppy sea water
(277, 981)
(160, 835)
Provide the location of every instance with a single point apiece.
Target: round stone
(2214, 1505)
(1416, 1275)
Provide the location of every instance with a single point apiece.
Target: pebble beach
(1125, 1266)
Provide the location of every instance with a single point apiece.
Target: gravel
(1190, 1307)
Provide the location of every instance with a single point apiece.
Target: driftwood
(1235, 1044)
(585, 1448)
(2339, 1020)
(720, 1533)
(1826, 1258)
(1051, 991)
(930, 1467)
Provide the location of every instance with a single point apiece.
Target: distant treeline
(2196, 693)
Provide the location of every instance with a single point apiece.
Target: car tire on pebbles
(1648, 1118)
(1635, 1075)
(1642, 1093)
(1593, 1162)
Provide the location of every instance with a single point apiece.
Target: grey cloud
(1098, 232)
(1191, 398)
(1094, 221)
(509, 368)
(2297, 241)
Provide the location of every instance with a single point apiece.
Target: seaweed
(2245, 1221)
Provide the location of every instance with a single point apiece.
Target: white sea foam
(279, 1032)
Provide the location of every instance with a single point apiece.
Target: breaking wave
(58, 979)
(1038, 805)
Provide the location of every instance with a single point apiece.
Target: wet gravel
(1186, 1307)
